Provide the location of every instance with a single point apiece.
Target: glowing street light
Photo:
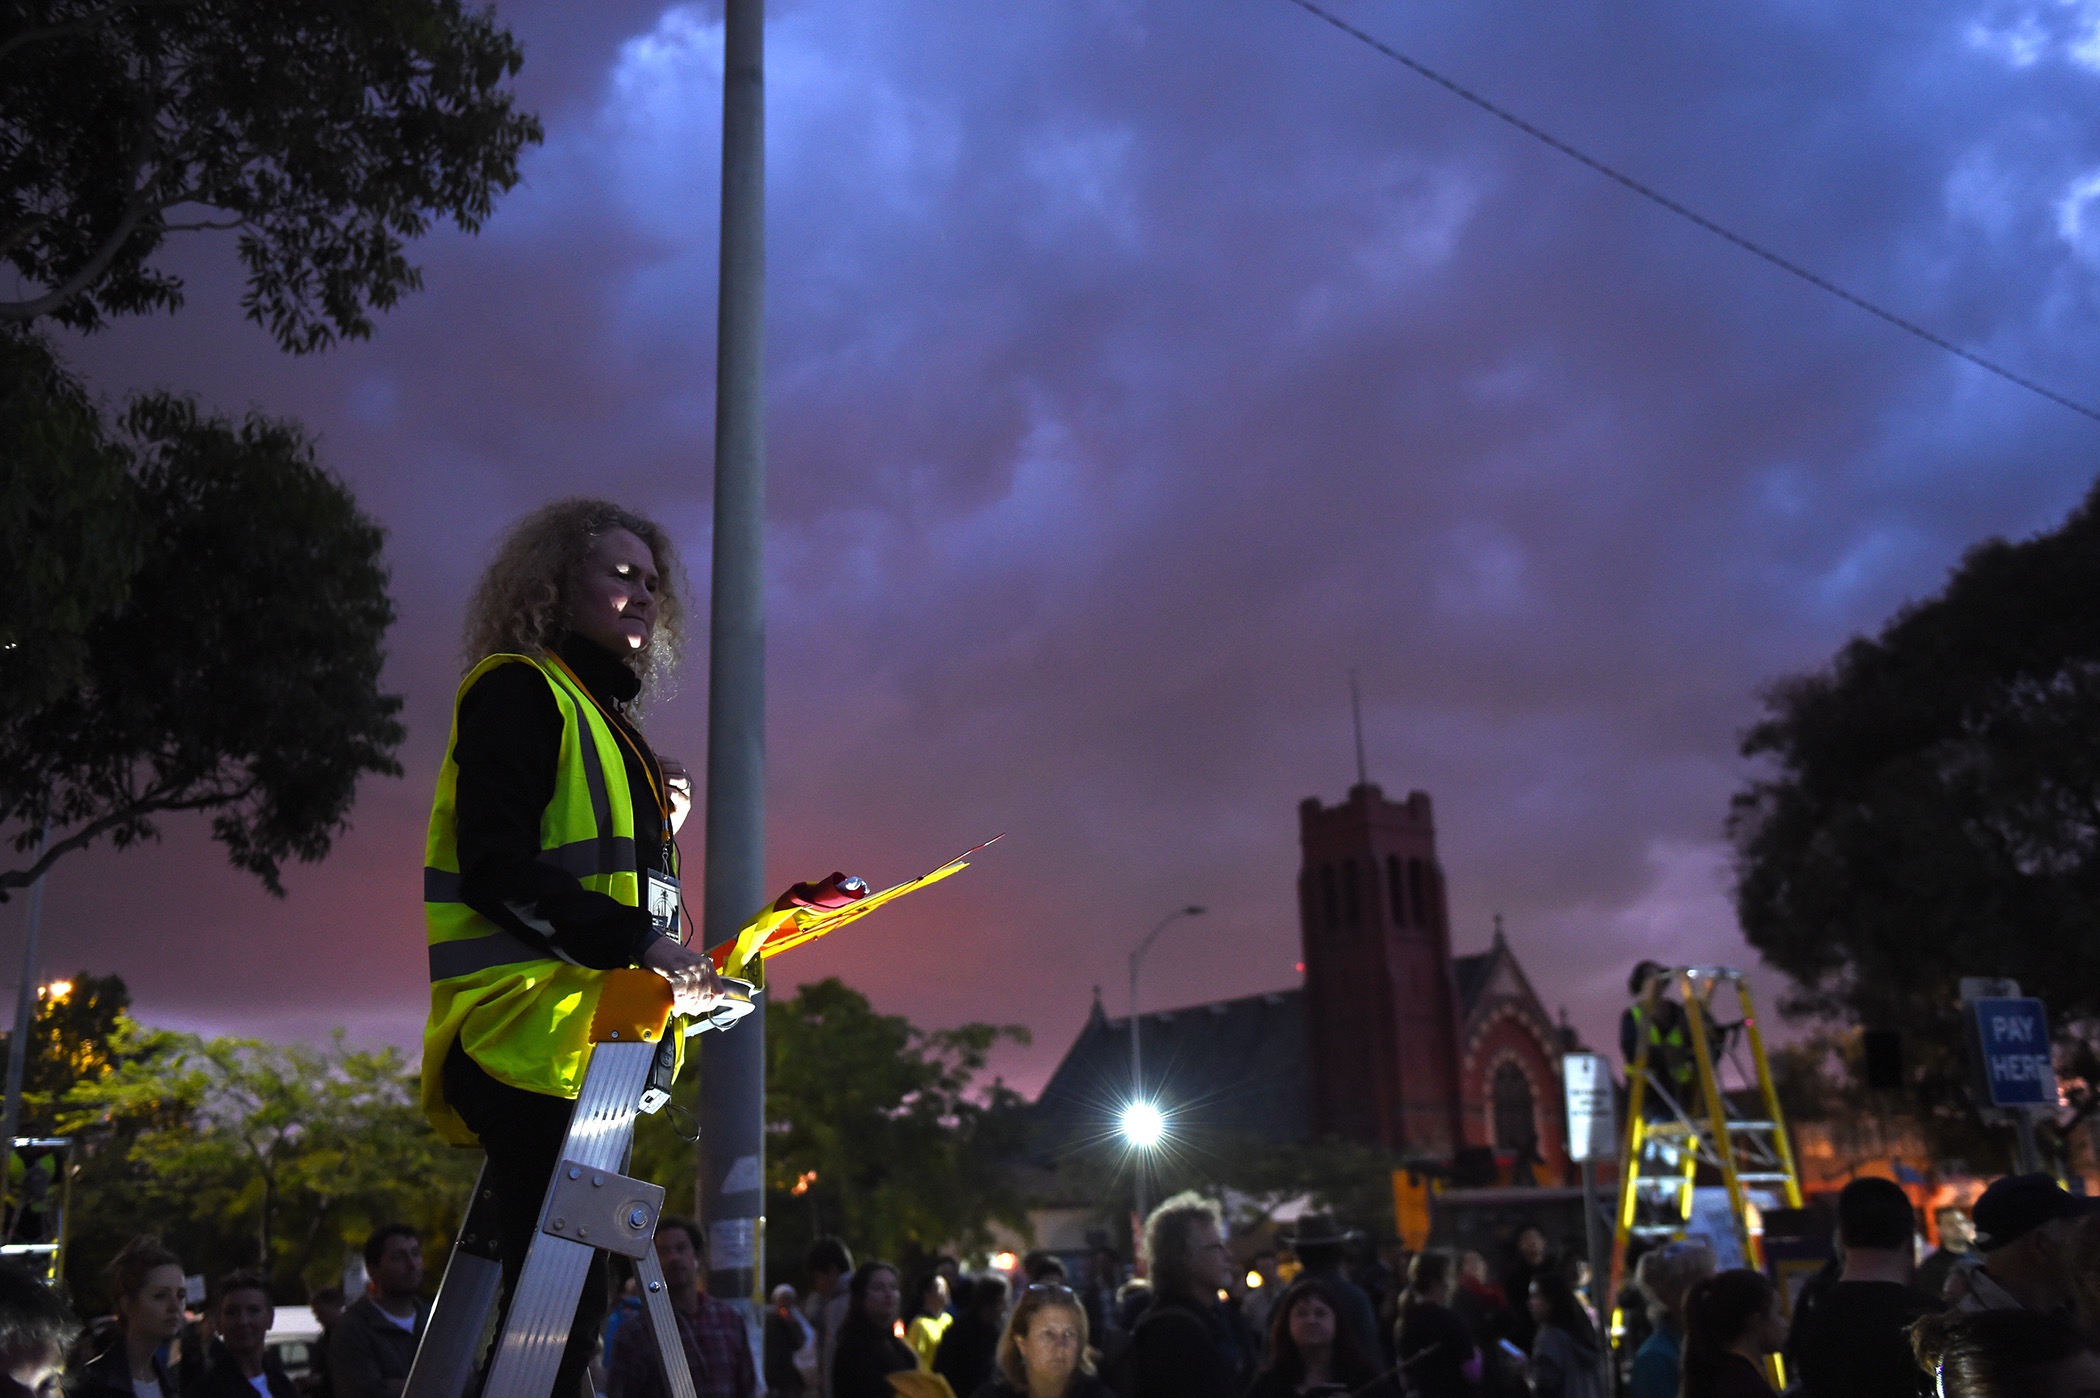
(1137, 1076)
(1144, 1125)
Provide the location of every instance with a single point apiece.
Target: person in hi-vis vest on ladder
(550, 859)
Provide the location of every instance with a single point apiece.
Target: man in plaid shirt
(711, 1331)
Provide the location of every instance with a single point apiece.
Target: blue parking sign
(2013, 1036)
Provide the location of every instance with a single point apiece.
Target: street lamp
(1144, 1125)
(1143, 1113)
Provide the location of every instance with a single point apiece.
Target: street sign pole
(1586, 1084)
(2009, 1034)
(2028, 1153)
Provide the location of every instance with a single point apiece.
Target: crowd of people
(2010, 1307)
(153, 1345)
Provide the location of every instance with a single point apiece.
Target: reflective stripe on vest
(522, 1013)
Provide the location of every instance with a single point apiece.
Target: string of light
(1656, 196)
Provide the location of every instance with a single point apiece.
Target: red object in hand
(836, 891)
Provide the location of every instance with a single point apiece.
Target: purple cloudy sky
(1136, 370)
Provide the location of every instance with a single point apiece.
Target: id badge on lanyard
(663, 903)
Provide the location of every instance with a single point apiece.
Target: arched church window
(1330, 900)
(1396, 889)
(1515, 1126)
(1352, 895)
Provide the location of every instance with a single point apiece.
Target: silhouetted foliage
(325, 134)
(66, 499)
(897, 1146)
(1930, 810)
(240, 676)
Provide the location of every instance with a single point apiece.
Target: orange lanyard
(650, 772)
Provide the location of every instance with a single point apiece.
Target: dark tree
(242, 675)
(1930, 809)
(327, 133)
(883, 1132)
(66, 498)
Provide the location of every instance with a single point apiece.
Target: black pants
(522, 1133)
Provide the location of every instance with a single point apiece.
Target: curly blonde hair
(523, 601)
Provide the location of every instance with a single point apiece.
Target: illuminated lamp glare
(1254, 1281)
(1144, 1125)
(1004, 1261)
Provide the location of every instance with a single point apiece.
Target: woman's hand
(694, 985)
(678, 786)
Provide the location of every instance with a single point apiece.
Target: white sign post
(1592, 1115)
(1586, 1089)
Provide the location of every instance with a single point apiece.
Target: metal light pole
(733, 1064)
(1137, 1076)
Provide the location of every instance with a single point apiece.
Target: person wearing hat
(2023, 1223)
(1322, 1246)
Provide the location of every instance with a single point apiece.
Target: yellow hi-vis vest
(524, 1016)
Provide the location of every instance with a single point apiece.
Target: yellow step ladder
(1684, 1118)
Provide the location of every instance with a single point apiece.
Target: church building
(1391, 1040)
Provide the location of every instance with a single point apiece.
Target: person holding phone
(1566, 1358)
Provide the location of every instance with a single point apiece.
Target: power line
(1656, 196)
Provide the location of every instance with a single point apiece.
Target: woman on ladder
(550, 859)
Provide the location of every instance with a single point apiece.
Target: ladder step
(1765, 1177)
(1751, 1125)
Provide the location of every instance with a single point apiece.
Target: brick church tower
(1381, 1001)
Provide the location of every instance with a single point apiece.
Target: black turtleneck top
(507, 752)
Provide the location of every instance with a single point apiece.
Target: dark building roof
(1226, 1069)
(1236, 1066)
(1471, 973)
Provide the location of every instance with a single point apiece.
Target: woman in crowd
(1732, 1320)
(2004, 1354)
(1312, 1351)
(1565, 1358)
(1665, 1276)
(930, 1319)
(146, 1280)
(1044, 1352)
(971, 1344)
(869, 1350)
(1437, 1353)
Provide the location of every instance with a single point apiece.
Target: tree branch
(135, 210)
(95, 829)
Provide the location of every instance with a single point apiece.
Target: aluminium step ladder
(590, 1206)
